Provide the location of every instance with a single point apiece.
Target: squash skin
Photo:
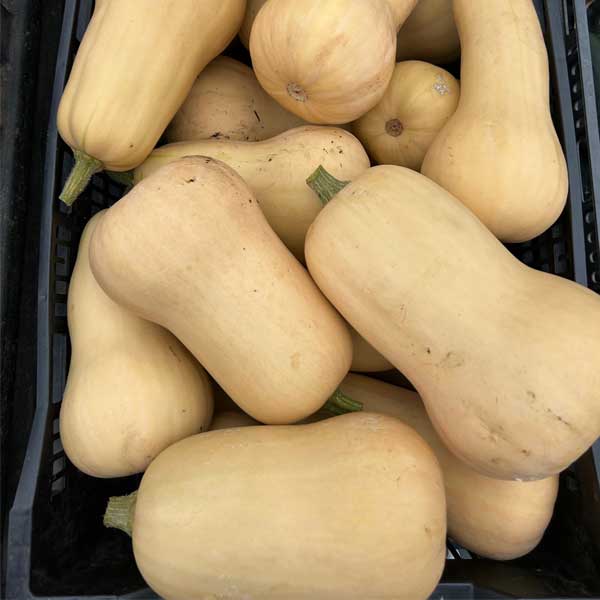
(429, 34)
(265, 495)
(276, 171)
(132, 388)
(497, 519)
(487, 355)
(327, 62)
(499, 153)
(227, 102)
(416, 105)
(133, 70)
(190, 249)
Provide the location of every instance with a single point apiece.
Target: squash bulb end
(296, 92)
(394, 127)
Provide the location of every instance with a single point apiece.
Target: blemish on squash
(257, 117)
(525, 452)
(428, 350)
(295, 360)
(394, 127)
(190, 180)
(296, 92)
(531, 394)
(452, 360)
(440, 86)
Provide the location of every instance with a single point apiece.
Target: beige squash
(227, 102)
(232, 418)
(190, 249)
(327, 62)
(352, 508)
(276, 171)
(429, 33)
(416, 105)
(504, 357)
(133, 70)
(498, 153)
(252, 8)
(493, 518)
(364, 357)
(132, 388)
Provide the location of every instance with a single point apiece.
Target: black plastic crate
(57, 545)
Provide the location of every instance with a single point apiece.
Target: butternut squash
(276, 171)
(133, 70)
(189, 248)
(227, 102)
(498, 153)
(232, 418)
(252, 8)
(132, 388)
(351, 508)
(481, 336)
(491, 517)
(429, 33)
(416, 105)
(364, 357)
(327, 62)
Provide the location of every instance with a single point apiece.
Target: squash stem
(123, 177)
(119, 512)
(340, 404)
(85, 167)
(325, 185)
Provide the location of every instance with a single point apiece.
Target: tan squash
(327, 62)
(132, 388)
(364, 357)
(190, 249)
(252, 8)
(133, 70)
(227, 102)
(505, 357)
(429, 33)
(498, 153)
(493, 518)
(416, 105)
(350, 508)
(276, 171)
(232, 418)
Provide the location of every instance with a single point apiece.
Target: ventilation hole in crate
(59, 371)
(63, 234)
(590, 237)
(62, 260)
(61, 287)
(56, 426)
(589, 217)
(57, 447)
(593, 256)
(596, 277)
(57, 486)
(576, 88)
(60, 308)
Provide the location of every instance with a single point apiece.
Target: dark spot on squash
(525, 452)
(531, 394)
(428, 350)
(216, 134)
(131, 145)
(190, 180)
(257, 117)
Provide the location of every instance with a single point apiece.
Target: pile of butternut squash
(327, 211)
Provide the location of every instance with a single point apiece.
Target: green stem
(119, 512)
(340, 404)
(123, 177)
(85, 167)
(325, 185)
